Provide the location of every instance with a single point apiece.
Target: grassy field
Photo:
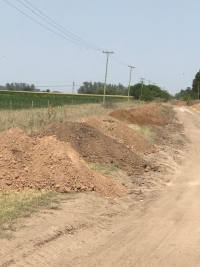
(32, 120)
(25, 100)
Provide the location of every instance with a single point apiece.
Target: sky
(160, 38)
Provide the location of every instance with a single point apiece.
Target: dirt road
(165, 232)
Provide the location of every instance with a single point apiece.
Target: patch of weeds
(106, 169)
(147, 131)
(22, 204)
(109, 105)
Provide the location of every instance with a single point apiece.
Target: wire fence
(30, 104)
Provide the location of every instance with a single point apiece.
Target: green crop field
(24, 100)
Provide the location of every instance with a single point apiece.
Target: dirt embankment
(146, 115)
(47, 163)
(95, 147)
(122, 133)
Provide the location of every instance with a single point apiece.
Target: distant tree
(195, 85)
(20, 87)
(97, 88)
(148, 92)
(184, 94)
(136, 90)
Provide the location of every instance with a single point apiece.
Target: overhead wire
(47, 27)
(57, 85)
(77, 39)
(120, 59)
(62, 27)
(117, 61)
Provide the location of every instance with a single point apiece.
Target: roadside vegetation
(149, 93)
(105, 169)
(147, 131)
(22, 204)
(190, 94)
(31, 120)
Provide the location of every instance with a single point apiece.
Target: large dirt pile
(47, 163)
(121, 132)
(145, 115)
(94, 146)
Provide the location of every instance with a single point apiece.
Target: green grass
(22, 204)
(24, 100)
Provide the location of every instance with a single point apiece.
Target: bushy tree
(148, 92)
(136, 90)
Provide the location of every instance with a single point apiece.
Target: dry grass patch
(14, 205)
(32, 120)
(103, 168)
(147, 131)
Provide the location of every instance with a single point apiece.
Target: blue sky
(160, 38)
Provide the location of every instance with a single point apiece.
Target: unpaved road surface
(162, 232)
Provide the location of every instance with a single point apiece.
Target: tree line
(138, 91)
(98, 88)
(190, 92)
(19, 87)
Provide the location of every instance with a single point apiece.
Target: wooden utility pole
(131, 67)
(142, 81)
(104, 90)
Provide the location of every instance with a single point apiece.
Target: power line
(63, 31)
(76, 40)
(47, 27)
(62, 27)
(55, 85)
(121, 59)
(117, 61)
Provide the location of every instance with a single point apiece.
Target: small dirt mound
(122, 133)
(180, 103)
(94, 146)
(146, 115)
(47, 163)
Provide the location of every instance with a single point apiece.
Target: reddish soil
(122, 133)
(147, 115)
(94, 146)
(47, 163)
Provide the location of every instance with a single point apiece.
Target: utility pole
(131, 67)
(142, 81)
(104, 90)
(149, 81)
(73, 88)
